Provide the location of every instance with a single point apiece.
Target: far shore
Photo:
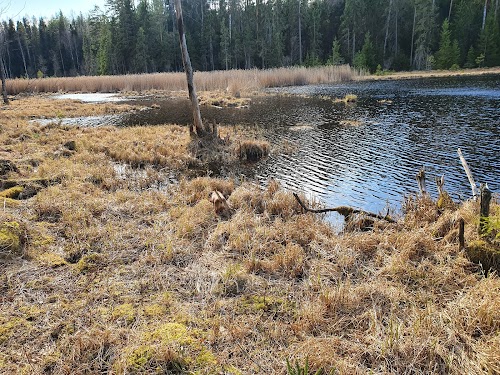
(429, 74)
(228, 84)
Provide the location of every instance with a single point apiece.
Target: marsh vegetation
(115, 262)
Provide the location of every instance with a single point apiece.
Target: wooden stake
(440, 184)
(461, 234)
(484, 212)
(468, 173)
(421, 181)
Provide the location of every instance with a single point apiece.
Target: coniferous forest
(242, 34)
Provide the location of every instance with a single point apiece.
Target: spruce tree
(335, 57)
(445, 56)
(470, 61)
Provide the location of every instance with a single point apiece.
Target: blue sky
(45, 8)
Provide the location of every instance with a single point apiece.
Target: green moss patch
(11, 239)
(9, 326)
(12, 193)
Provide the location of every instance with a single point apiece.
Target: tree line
(125, 37)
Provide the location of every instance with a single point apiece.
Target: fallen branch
(345, 211)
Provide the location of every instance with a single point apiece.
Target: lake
(366, 154)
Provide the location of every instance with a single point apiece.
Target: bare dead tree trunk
(300, 36)
(22, 55)
(396, 43)
(387, 26)
(200, 130)
(413, 35)
(449, 12)
(2, 78)
(484, 13)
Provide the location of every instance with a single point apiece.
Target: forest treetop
(243, 34)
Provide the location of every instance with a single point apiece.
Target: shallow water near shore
(366, 154)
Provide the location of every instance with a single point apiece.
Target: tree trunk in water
(200, 130)
(2, 78)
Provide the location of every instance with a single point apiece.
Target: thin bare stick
(468, 173)
(343, 210)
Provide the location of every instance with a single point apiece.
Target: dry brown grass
(233, 81)
(432, 73)
(118, 273)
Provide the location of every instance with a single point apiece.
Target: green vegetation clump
(90, 262)
(11, 238)
(8, 327)
(125, 313)
(12, 193)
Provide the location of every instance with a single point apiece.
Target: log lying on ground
(345, 211)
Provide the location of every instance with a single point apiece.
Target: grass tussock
(349, 98)
(116, 270)
(253, 150)
(233, 81)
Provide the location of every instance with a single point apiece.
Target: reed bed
(234, 81)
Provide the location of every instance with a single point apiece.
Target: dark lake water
(367, 154)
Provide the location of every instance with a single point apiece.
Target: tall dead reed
(233, 81)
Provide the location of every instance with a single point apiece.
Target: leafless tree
(199, 128)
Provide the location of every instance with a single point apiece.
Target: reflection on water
(368, 153)
(92, 97)
(398, 127)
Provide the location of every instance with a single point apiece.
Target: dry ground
(117, 270)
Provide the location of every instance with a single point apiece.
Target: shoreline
(430, 74)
